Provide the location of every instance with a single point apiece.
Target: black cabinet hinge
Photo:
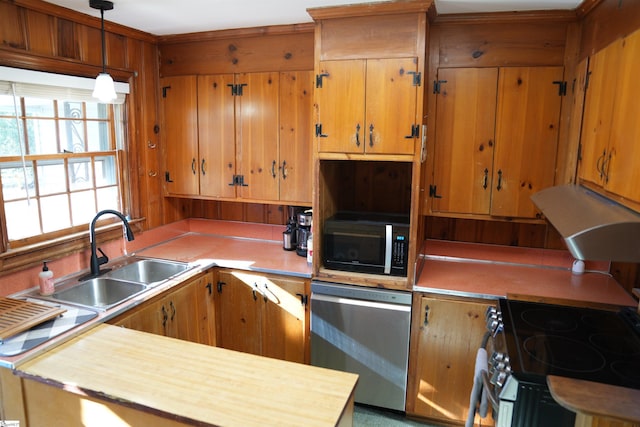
(437, 85)
(417, 78)
(415, 132)
(319, 133)
(304, 299)
(319, 78)
(238, 180)
(433, 192)
(562, 87)
(164, 91)
(167, 177)
(236, 89)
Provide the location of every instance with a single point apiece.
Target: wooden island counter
(120, 377)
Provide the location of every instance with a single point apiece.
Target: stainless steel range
(533, 340)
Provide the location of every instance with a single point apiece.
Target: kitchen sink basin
(147, 271)
(99, 292)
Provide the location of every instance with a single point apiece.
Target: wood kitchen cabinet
(505, 148)
(179, 101)
(446, 335)
(263, 314)
(244, 136)
(367, 106)
(186, 312)
(610, 131)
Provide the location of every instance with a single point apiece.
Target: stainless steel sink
(100, 292)
(147, 271)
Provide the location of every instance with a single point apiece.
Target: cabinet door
(240, 319)
(147, 318)
(257, 135)
(296, 102)
(284, 318)
(598, 108)
(216, 135)
(464, 148)
(340, 99)
(528, 119)
(391, 95)
(623, 172)
(183, 307)
(450, 333)
(180, 112)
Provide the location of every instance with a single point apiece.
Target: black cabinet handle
(371, 135)
(193, 166)
(358, 135)
(485, 178)
(499, 186)
(284, 169)
(273, 169)
(165, 317)
(202, 168)
(173, 309)
(209, 286)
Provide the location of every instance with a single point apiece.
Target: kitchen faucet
(96, 261)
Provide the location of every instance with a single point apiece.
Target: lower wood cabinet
(446, 335)
(263, 314)
(186, 312)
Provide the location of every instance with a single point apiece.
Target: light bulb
(104, 89)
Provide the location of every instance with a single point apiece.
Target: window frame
(15, 255)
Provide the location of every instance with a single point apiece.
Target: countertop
(588, 399)
(239, 389)
(492, 271)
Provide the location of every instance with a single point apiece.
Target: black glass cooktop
(582, 343)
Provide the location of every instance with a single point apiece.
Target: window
(61, 156)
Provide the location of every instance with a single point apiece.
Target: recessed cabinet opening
(365, 216)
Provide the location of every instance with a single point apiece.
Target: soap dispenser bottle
(46, 280)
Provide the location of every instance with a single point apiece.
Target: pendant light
(104, 89)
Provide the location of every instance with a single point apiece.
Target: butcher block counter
(134, 378)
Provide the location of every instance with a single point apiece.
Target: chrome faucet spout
(95, 261)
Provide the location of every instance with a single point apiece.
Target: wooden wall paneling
(607, 22)
(12, 32)
(260, 52)
(41, 31)
(388, 36)
(571, 112)
(501, 44)
(150, 171)
(89, 39)
(232, 211)
(116, 50)
(67, 41)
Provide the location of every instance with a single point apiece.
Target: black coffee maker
(304, 231)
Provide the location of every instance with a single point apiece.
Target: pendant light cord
(104, 44)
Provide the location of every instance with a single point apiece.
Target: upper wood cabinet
(496, 139)
(611, 129)
(367, 106)
(179, 100)
(239, 136)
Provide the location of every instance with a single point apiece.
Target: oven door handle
(388, 231)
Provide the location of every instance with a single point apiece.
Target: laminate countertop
(492, 271)
(201, 385)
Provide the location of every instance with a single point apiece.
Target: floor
(367, 416)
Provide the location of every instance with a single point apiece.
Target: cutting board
(18, 315)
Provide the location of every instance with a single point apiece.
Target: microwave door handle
(387, 249)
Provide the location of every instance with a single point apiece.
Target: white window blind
(39, 84)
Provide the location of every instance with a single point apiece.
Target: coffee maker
(290, 235)
(304, 231)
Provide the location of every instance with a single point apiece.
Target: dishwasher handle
(360, 302)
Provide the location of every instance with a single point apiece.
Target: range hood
(593, 227)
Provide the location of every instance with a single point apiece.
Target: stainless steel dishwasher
(363, 331)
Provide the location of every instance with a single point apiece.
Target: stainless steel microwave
(366, 243)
